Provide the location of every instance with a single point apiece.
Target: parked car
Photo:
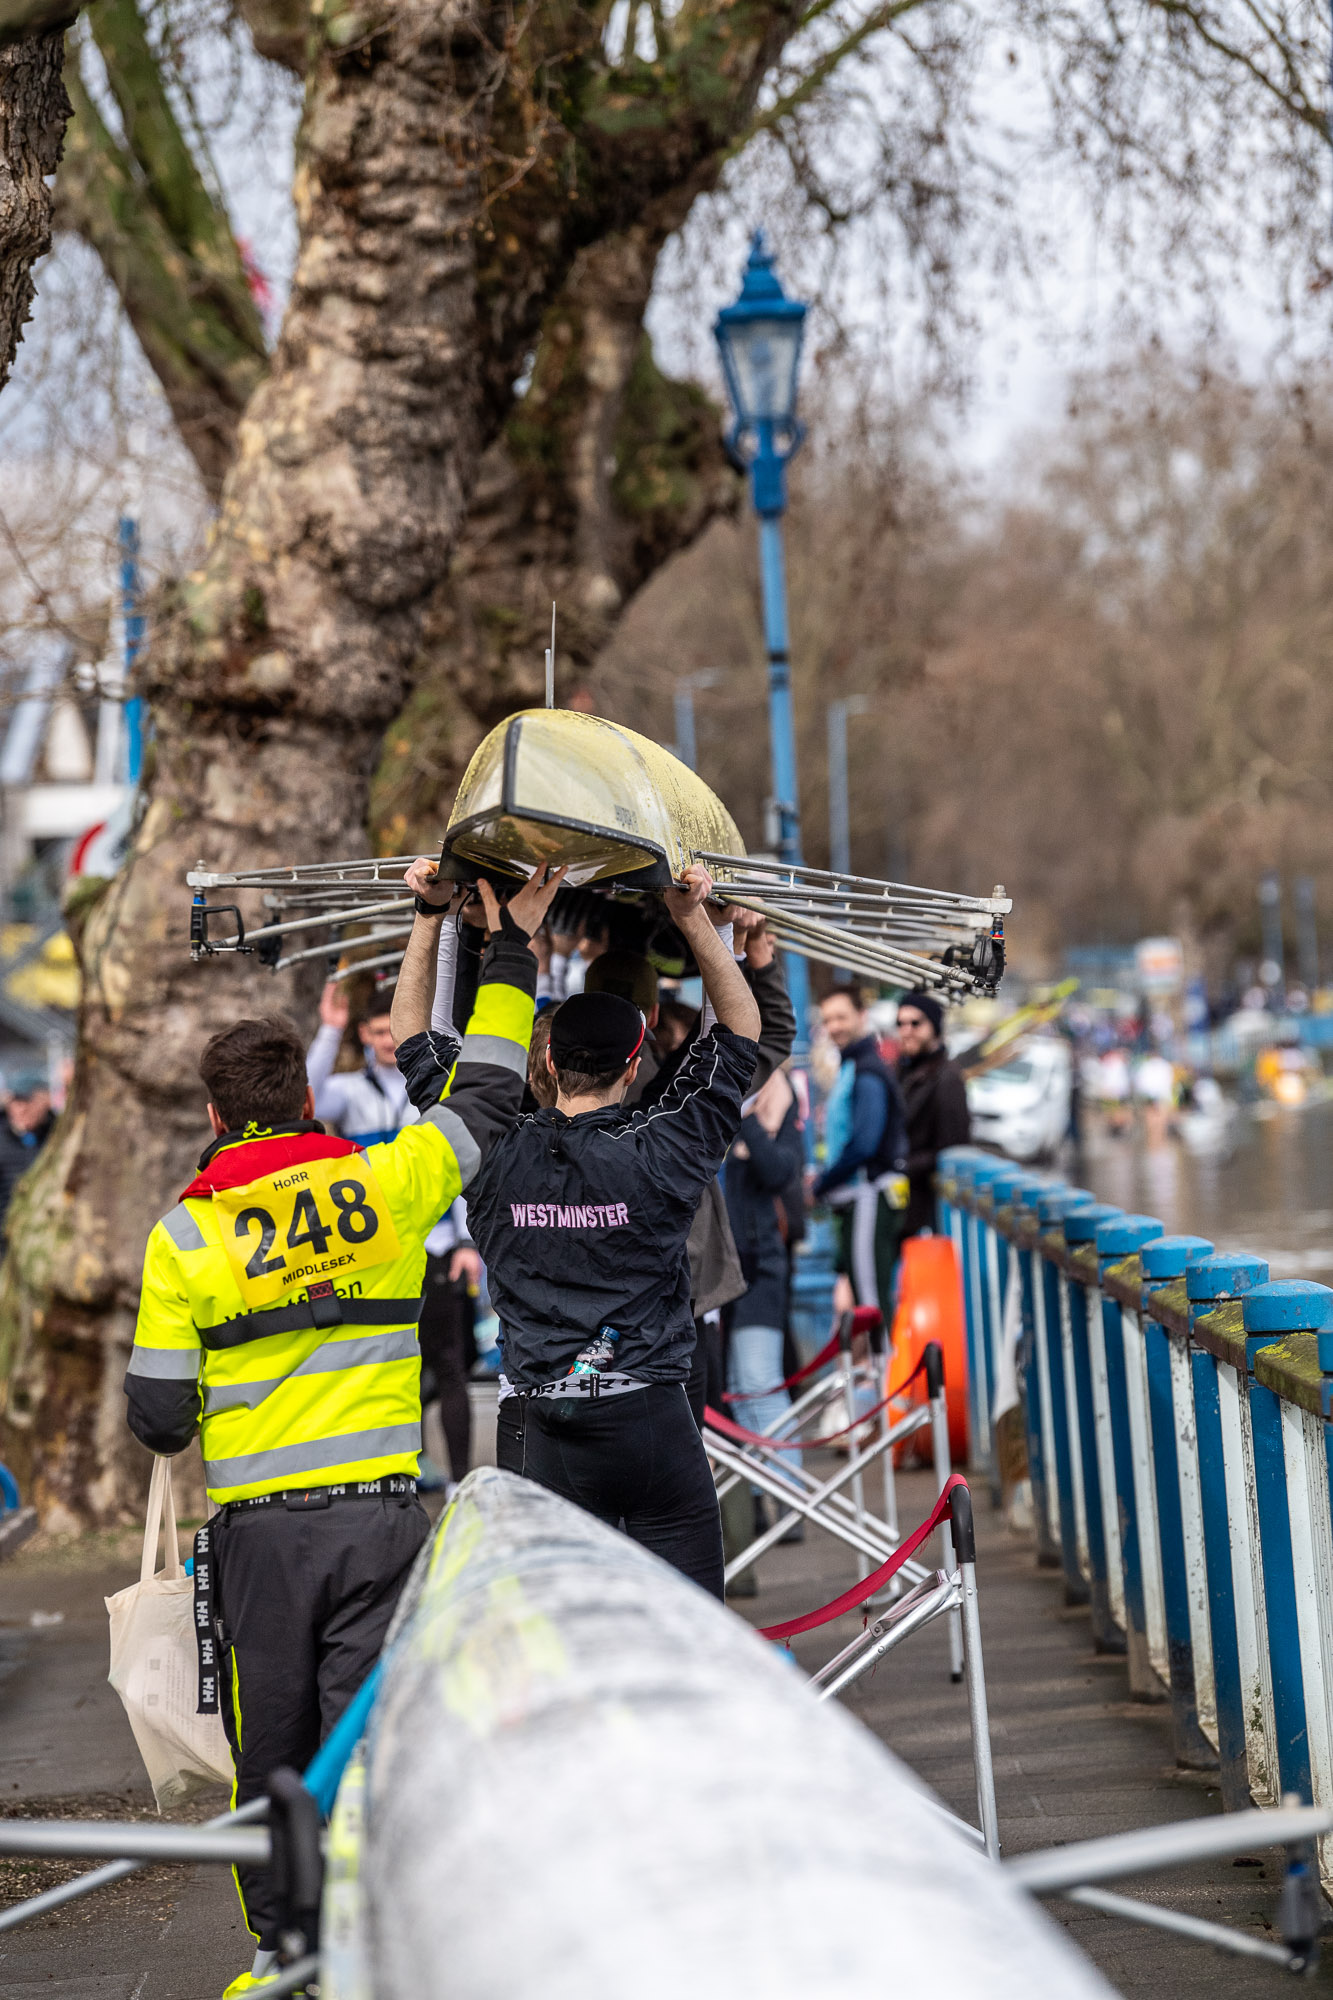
(1022, 1107)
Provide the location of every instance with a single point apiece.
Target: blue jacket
(876, 1142)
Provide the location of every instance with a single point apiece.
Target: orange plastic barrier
(930, 1307)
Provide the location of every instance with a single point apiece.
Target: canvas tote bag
(155, 1664)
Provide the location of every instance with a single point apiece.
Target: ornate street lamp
(759, 339)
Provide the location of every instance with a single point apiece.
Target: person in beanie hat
(582, 1214)
(936, 1100)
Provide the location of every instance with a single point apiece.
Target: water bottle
(598, 1355)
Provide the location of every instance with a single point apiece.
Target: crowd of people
(534, 1110)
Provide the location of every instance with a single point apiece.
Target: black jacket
(583, 1222)
(937, 1116)
(753, 1186)
(716, 1274)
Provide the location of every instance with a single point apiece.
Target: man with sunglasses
(935, 1098)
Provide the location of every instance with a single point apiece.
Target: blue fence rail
(1178, 1409)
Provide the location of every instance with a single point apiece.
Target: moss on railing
(1221, 1332)
(1123, 1282)
(1290, 1368)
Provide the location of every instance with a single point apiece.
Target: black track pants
(635, 1459)
(305, 1595)
(448, 1349)
(509, 1434)
(708, 1368)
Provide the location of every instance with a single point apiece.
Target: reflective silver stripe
(183, 1230)
(496, 1049)
(166, 1364)
(466, 1150)
(294, 1461)
(367, 1351)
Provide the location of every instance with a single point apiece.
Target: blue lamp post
(759, 339)
(135, 626)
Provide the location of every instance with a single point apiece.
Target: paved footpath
(1074, 1758)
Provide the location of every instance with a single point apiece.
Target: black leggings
(448, 1350)
(635, 1460)
(509, 1434)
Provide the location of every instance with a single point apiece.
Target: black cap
(596, 1032)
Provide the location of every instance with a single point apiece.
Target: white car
(1022, 1108)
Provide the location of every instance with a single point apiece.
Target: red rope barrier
(864, 1320)
(859, 1592)
(826, 1353)
(731, 1429)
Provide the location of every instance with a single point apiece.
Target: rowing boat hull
(584, 1779)
(553, 787)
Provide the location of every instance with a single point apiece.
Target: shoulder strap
(161, 1500)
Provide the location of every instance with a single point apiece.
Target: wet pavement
(1264, 1184)
(1075, 1757)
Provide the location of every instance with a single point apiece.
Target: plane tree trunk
(605, 469)
(273, 673)
(448, 226)
(33, 113)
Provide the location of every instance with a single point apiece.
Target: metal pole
(911, 1620)
(1270, 911)
(134, 622)
(849, 1397)
(890, 1483)
(1053, 1870)
(786, 806)
(132, 1840)
(1198, 1928)
(839, 814)
(965, 1543)
(939, 1438)
(686, 748)
(102, 1878)
(1307, 931)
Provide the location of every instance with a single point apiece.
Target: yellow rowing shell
(554, 787)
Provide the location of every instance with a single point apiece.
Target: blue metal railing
(1179, 1417)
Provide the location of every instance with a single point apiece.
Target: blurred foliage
(1109, 686)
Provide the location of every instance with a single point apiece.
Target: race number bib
(324, 1219)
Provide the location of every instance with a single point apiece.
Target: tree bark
(604, 471)
(33, 113)
(273, 675)
(421, 281)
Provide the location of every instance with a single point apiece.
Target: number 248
(357, 1222)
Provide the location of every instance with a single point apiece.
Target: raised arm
(724, 982)
(415, 991)
(330, 1091)
(480, 1079)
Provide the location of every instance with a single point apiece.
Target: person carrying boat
(717, 1279)
(582, 1214)
(278, 1319)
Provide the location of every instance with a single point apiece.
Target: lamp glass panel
(764, 356)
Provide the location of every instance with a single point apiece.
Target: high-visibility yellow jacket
(281, 1295)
